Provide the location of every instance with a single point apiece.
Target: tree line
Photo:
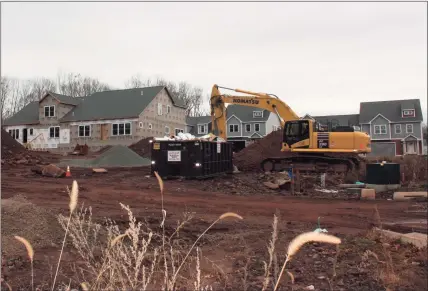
(17, 93)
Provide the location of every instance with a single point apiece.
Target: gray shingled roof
(193, 120)
(113, 104)
(65, 99)
(390, 109)
(342, 120)
(245, 113)
(27, 115)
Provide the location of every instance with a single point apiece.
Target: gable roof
(114, 104)
(62, 98)
(194, 120)
(27, 115)
(341, 120)
(245, 113)
(390, 109)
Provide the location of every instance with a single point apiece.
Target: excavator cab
(297, 131)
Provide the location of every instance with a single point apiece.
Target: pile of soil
(9, 146)
(21, 217)
(250, 157)
(143, 147)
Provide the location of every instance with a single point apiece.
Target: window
(168, 109)
(380, 129)
(275, 127)
(14, 133)
(397, 128)
(257, 113)
(50, 111)
(84, 130)
(233, 128)
(178, 130)
(31, 132)
(150, 126)
(257, 127)
(121, 128)
(159, 109)
(408, 113)
(167, 131)
(54, 132)
(248, 127)
(202, 129)
(409, 128)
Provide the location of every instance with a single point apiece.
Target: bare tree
(5, 91)
(191, 97)
(75, 85)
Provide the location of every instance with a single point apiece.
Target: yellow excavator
(308, 146)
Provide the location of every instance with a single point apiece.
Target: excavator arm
(259, 100)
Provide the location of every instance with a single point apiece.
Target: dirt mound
(21, 217)
(143, 147)
(250, 157)
(9, 146)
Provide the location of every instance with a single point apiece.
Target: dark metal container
(191, 158)
(386, 174)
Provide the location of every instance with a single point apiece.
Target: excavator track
(313, 163)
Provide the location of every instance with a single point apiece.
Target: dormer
(408, 113)
(257, 114)
(52, 107)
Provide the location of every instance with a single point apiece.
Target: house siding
(416, 130)
(272, 121)
(365, 128)
(246, 133)
(234, 120)
(380, 121)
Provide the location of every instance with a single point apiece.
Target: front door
(411, 147)
(24, 135)
(104, 131)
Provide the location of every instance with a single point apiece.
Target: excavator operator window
(296, 131)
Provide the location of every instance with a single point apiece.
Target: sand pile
(250, 157)
(21, 217)
(143, 147)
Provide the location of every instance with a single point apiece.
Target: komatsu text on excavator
(309, 146)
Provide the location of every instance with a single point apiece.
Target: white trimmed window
(202, 129)
(50, 111)
(257, 127)
(14, 133)
(233, 128)
(248, 127)
(54, 132)
(150, 126)
(168, 109)
(121, 128)
(257, 113)
(380, 129)
(275, 127)
(409, 128)
(167, 130)
(397, 128)
(178, 130)
(159, 109)
(140, 124)
(408, 113)
(84, 130)
(31, 131)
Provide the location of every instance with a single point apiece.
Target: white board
(64, 135)
(174, 156)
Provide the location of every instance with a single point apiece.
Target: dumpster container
(383, 174)
(191, 158)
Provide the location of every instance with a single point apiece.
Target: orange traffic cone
(68, 173)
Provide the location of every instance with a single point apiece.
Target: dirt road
(103, 192)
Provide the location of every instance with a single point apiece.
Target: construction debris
(400, 196)
(368, 194)
(49, 171)
(417, 239)
(99, 170)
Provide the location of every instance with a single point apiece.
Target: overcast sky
(320, 58)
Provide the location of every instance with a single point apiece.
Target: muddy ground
(232, 246)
